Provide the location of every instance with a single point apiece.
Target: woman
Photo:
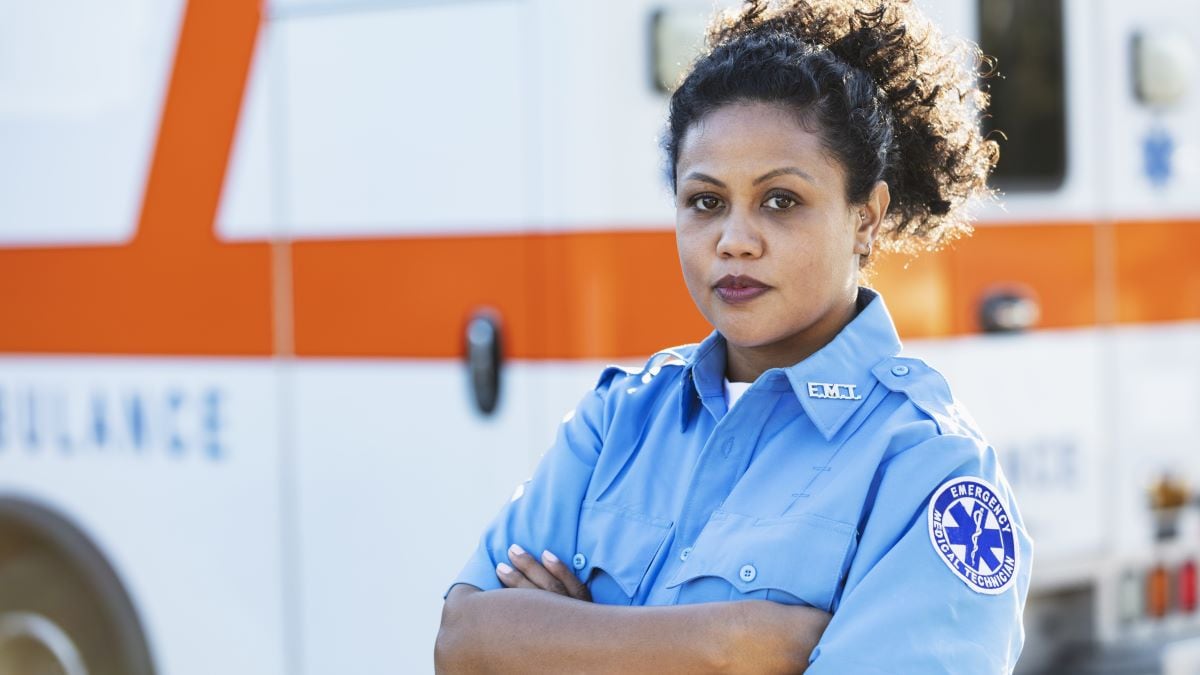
(789, 493)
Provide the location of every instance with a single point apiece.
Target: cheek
(834, 243)
(812, 264)
(691, 252)
(694, 265)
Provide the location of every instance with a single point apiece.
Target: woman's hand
(551, 574)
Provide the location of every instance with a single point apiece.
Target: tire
(63, 613)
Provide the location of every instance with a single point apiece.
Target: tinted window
(1028, 96)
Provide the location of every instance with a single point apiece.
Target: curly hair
(890, 98)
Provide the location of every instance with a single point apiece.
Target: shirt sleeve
(903, 610)
(544, 512)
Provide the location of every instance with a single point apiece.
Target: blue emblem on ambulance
(972, 532)
(1157, 149)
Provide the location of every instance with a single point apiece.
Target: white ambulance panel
(396, 476)
(251, 202)
(81, 91)
(1154, 169)
(1039, 400)
(404, 120)
(171, 468)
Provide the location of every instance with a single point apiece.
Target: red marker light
(1187, 586)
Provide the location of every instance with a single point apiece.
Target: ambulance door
(1150, 176)
(387, 146)
(139, 500)
(609, 270)
(1021, 292)
(1018, 329)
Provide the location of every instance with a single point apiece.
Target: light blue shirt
(830, 484)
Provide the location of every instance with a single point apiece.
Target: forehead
(754, 138)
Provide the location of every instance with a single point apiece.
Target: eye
(705, 203)
(780, 202)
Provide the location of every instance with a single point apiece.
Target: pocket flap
(619, 541)
(803, 555)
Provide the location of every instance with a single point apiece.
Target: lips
(739, 288)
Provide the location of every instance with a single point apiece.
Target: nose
(739, 238)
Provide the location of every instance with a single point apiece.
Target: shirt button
(899, 371)
(683, 555)
(579, 561)
(748, 573)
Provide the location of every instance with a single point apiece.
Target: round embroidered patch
(971, 531)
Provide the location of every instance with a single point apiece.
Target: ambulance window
(1028, 96)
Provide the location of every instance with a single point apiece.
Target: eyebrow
(696, 175)
(785, 170)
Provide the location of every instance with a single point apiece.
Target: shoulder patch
(929, 391)
(972, 532)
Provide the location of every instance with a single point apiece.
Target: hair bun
(937, 159)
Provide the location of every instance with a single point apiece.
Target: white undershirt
(734, 391)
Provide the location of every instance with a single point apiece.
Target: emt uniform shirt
(852, 482)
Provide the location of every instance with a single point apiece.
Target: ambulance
(293, 294)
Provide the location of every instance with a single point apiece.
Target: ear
(871, 214)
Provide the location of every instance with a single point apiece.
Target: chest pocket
(793, 560)
(616, 548)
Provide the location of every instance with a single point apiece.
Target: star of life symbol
(1157, 149)
(973, 534)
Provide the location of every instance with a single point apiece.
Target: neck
(745, 364)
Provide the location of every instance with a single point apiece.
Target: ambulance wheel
(62, 611)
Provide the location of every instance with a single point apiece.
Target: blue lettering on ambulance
(58, 420)
(179, 421)
(31, 432)
(171, 421)
(210, 424)
(99, 420)
(136, 415)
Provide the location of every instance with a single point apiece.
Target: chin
(748, 336)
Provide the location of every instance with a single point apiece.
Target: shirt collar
(704, 379)
(830, 384)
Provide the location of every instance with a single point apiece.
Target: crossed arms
(544, 621)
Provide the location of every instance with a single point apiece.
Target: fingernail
(515, 550)
(503, 569)
(549, 557)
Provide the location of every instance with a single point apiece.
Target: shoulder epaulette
(674, 356)
(929, 392)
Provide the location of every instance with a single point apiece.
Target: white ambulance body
(294, 295)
